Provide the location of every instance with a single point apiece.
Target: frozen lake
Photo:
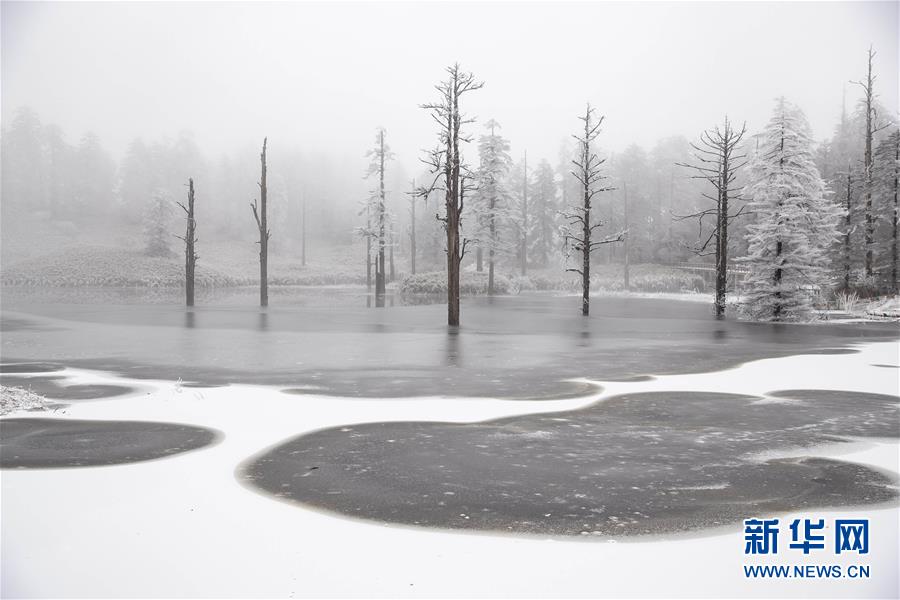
(328, 341)
(297, 433)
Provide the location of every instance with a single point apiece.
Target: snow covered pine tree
(795, 223)
(492, 199)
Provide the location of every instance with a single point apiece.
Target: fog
(109, 108)
(322, 76)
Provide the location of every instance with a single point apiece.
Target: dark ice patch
(633, 464)
(61, 443)
(30, 367)
(555, 390)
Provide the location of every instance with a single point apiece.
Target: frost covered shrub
(647, 278)
(471, 283)
(108, 267)
(158, 225)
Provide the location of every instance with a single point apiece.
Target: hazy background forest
(102, 128)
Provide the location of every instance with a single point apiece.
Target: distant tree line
(801, 217)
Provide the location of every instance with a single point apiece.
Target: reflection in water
(720, 334)
(584, 338)
(263, 323)
(189, 321)
(452, 349)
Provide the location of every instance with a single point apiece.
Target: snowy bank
(185, 526)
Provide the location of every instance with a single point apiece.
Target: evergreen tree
(157, 225)
(795, 224)
(544, 209)
(886, 188)
(492, 199)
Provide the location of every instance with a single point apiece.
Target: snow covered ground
(184, 526)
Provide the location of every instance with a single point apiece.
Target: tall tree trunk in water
(869, 100)
(587, 172)
(722, 235)
(259, 213)
(446, 161)
(627, 280)
(190, 239)
(717, 163)
(586, 251)
(525, 214)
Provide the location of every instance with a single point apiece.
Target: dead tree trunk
(717, 163)
(259, 213)
(190, 241)
(868, 87)
(579, 229)
(446, 162)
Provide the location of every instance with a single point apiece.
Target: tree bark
(722, 240)
(446, 162)
(259, 213)
(867, 164)
(190, 256)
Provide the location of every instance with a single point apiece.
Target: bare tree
(869, 105)
(445, 162)
(716, 161)
(579, 228)
(259, 213)
(190, 241)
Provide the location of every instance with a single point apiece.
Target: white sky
(323, 76)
